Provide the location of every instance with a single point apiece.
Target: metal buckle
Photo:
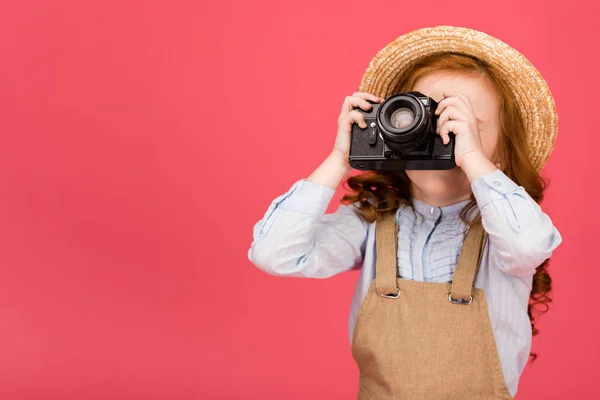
(459, 301)
(391, 296)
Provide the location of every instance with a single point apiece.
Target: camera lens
(402, 117)
(404, 121)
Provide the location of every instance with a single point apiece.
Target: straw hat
(529, 87)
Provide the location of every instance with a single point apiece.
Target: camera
(400, 135)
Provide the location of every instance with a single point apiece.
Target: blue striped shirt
(297, 238)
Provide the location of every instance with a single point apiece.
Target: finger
(354, 101)
(358, 117)
(451, 113)
(461, 96)
(455, 127)
(346, 125)
(368, 96)
(451, 101)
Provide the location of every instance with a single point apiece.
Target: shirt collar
(432, 212)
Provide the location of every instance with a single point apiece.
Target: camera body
(400, 135)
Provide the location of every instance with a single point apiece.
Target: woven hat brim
(527, 84)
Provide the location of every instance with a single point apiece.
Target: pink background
(140, 141)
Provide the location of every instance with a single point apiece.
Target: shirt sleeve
(296, 238)
(521, 235)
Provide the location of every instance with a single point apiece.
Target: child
(437, 313)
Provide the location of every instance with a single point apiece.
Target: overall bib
(418, 340)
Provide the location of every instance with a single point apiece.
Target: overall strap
(386, 243)
(468, 264)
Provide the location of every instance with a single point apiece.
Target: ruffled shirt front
(429, 241)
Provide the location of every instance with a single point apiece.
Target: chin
(438, 182)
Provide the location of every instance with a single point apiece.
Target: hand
(347, 117)
(456, 115)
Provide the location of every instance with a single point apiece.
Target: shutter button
(432, 210)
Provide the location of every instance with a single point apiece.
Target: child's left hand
(456, 115)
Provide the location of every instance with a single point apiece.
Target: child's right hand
(347, 117)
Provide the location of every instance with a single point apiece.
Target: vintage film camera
(400, 135)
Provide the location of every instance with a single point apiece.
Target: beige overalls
(426, 340)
